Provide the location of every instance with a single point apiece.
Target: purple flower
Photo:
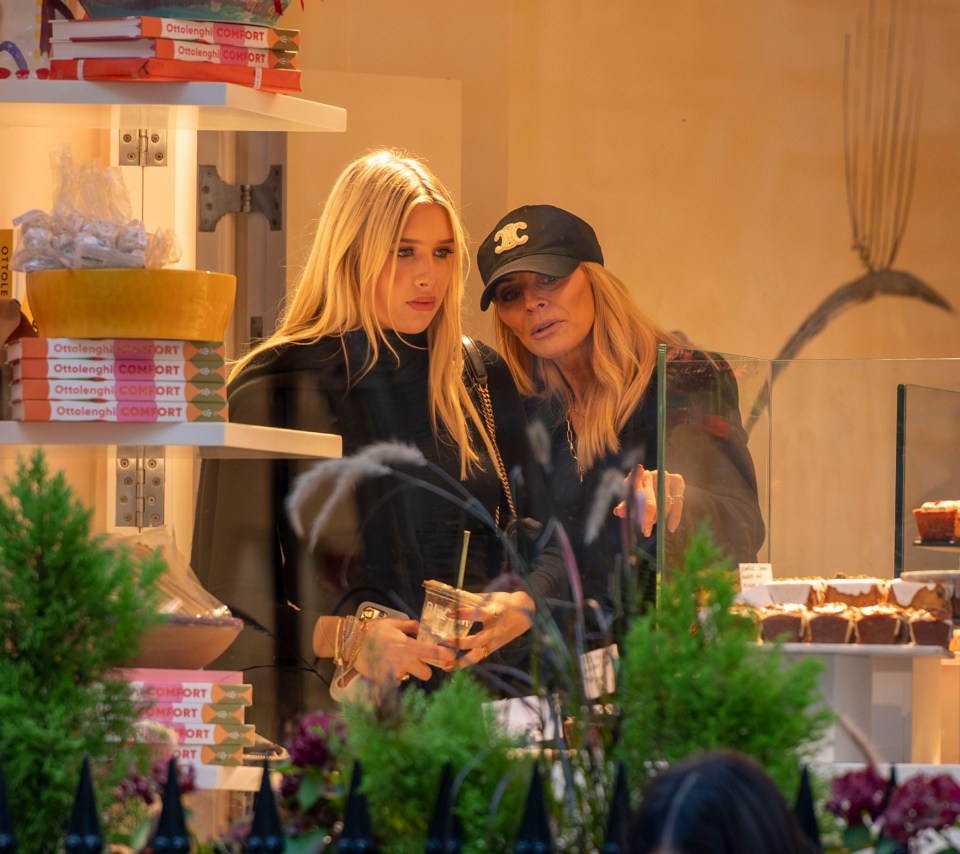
(310, 745)
(289, 785)
(856, 795)
(922, 803)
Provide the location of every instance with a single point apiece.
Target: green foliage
(72, 610)
(403, 757)
(693, 679)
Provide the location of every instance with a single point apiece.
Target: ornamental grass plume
(317, 492)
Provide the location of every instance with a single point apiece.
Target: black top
(706, 443)
(386, 537)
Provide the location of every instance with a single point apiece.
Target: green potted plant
(72, 611)
(693, 678)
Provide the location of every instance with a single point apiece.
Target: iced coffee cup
(438, 621)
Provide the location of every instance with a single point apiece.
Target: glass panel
(928, 468)
(714, 430)
(833, 458)
(824, 451)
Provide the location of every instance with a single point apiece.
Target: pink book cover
(141, 411)
(104, 391)
(194, 692)
(157, 349)
(109, 368)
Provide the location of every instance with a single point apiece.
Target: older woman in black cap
(585, 357)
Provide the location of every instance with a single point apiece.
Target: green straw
(463, 559)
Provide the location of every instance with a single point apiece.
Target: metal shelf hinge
(143, 147)
(215, 198)
(140, 482)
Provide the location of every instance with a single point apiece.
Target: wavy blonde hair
(623, 356)
(358, 233)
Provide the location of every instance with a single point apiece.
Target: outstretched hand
(644, 484)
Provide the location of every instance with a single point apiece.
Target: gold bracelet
(358, 638)
(338, 642)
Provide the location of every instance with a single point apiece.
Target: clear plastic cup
(438, 625)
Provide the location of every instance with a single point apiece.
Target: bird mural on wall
(882, 94)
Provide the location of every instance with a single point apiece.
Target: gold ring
(483, 651)
(669, 499)
(405, 677)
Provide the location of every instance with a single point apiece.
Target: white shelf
(160, 106)
(867, 650)
(219, 439)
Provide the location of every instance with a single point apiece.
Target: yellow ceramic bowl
(188, 304)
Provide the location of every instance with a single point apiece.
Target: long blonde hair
(358, 233)
(623, 358)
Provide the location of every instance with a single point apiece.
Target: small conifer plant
(72, 610)
(693, 679)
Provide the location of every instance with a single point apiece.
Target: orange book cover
(214, 734)
(147, 26)
(206, 713)
(105, 391)
(158, 349)
(116, 369)
(6, 253)
(224, 54)
(278, 80)
(202, 753)
(118, 410)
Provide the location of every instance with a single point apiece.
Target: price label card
(755, 574)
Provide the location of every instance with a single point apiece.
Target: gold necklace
(573, 448)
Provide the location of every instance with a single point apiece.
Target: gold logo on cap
(508, 237)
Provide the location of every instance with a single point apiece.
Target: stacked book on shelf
(114, 379)
(174, 49)
(196, 716)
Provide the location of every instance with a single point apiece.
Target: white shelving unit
(208, 440)
(181, 109)
(162, 106)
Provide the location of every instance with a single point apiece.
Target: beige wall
(703, 140)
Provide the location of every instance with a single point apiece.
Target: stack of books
(174, 49)
(200, 712)
(114, 379)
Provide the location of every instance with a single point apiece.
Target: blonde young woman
(369, 347)
(585, 357)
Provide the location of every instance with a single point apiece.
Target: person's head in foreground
(720, 802)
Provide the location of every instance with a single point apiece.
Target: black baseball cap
(535, 239)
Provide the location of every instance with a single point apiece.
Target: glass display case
(842, 450)
(928, 469)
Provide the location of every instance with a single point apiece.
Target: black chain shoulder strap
(477, 373)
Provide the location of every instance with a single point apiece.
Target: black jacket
(385, 539)
(705, 442)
